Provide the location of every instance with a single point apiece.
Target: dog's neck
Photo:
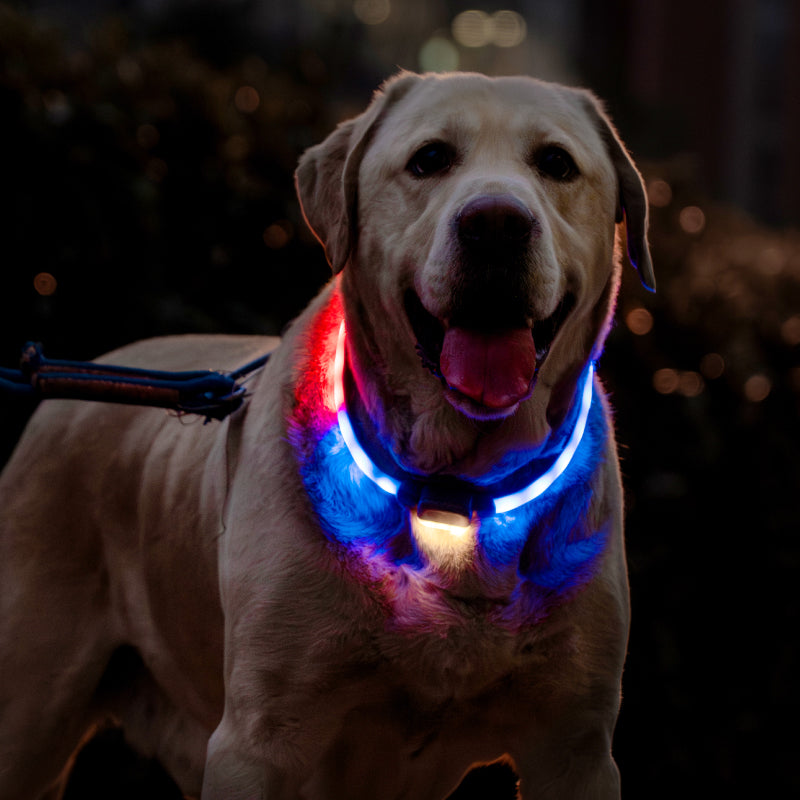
(406, 423)
(375, 524)
(507, 485)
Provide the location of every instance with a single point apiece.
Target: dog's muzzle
(490, 348)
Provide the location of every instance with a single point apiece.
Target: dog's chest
(447, 636)
(507, 570)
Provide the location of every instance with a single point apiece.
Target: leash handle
(212, 397)
(212, 394)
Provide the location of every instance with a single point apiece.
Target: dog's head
(474, 220)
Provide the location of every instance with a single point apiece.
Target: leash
(209, 393)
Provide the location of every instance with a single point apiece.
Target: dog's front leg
(229, 776)
(579, 768)
(232, 773)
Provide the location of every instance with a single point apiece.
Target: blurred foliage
(148, 190)
(146, 181)
(706, 404)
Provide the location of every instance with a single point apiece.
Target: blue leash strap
(205, 392)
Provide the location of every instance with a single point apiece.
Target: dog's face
(476, 218)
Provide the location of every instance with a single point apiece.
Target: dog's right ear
(326, 178)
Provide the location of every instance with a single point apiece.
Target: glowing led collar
(502, 505)
(386, 482)
(533, 490)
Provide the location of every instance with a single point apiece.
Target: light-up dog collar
(452, 509)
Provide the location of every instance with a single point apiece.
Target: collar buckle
(441, 506)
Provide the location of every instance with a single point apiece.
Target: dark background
(146, 155)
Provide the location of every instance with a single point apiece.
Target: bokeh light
(685, 382)
(372, 12)
(236, 147)
(438, 55)
(659, 193)
(690, 383)
(129, 71)
(509, 29)
(639, 321)
(771, 261)
(790, 330)
(712, 365)
(57, 106)
(45, 284)
(246, 99)
(278, 234)
(666, 380)
(757, 388)
(692, 219)
(476, 28)
(472, 28)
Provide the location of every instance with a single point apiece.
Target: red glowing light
(315, 402)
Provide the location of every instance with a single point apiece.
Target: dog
(403, 555)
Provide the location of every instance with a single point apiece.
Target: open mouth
(486, 373)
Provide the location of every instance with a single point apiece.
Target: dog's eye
(556, 163)
(432, 158)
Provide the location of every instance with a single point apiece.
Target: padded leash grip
(103, 388)
(206, 392)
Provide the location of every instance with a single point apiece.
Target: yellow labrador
(403, 556)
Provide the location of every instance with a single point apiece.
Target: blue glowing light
(350, 508)
(502, 505)
(358, 454)
(552, 542)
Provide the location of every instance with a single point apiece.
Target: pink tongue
(494, 369)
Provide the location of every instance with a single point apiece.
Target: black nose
(495, 221)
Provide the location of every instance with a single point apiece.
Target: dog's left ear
(326, 178)
(632, 196)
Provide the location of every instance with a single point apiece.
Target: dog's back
(101, 548)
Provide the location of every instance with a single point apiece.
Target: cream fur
(273, 664)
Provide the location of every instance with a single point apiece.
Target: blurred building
(720, 78)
